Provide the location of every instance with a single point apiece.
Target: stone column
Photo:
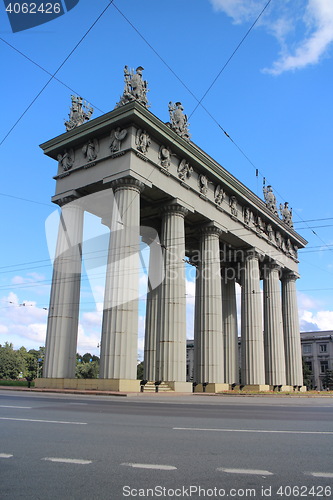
(252, 348)
(208, 334)
(155, 276)
(151, 333)
(63, 319)
(120, 315)
(275, 366)
(292, 338)
(171, 349)
(230, 330)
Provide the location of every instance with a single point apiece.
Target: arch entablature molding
(131, 142)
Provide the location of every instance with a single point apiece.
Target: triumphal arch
(150, 184)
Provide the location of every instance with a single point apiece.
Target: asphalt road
(154, 446)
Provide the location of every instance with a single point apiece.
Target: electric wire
(49, 73)
(230, 57)
(199, 102)
(57, 71)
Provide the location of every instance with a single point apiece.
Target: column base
(213, 388)
(302, 388)
(180, 386)
(255, 388)
(281, 388)
(98, 384)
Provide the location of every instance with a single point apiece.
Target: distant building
(317, 352)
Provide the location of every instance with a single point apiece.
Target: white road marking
(5, 455)
(20, 407)
(250, 430)
(320, 474)
(247, 471)
(81, 404)
(44, 421)
(151, 466)
(67, 460)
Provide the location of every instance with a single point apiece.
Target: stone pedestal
(180, 386)
(97, 384)
(281, 388)
(120, 317)
(292, 339)
(253, 370)
(171, 348)
(255, 388)
(212, 388)
(275, 367)
(208, 335)
(62, 325)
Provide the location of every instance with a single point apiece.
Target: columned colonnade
(132, 170)
(270, 341)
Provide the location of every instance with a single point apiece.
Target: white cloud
(22, 324)
(304, 29)
(312, 315)
(88, 342)
(306, 302)
(141, 337)
(323, 320)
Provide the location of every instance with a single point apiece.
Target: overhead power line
(49, 73)
(230, 57)
(57, 71)
(199, 101)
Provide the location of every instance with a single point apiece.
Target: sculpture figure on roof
(184, 170)
(164, 155)
(270, 233)
(178, 120)
(135, 88)
(219, 194)
(203, 184)
(79, 113)
(117, 135)
(66, 160)
(286, 214)
(142, 141)
(90, 150)
(270, 199)
(233, 206)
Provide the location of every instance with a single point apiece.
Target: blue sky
(274, 98)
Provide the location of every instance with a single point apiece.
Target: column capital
(211, 229)
(65, 198)
(253, 253)
(174, 208)
(289, 275)
(272, 266)
(127, 183)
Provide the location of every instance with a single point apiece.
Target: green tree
(307, 375)
(140, 371)
(328, 380)
(11, 363)
(87, 370)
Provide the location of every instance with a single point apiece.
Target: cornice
(134, 113)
